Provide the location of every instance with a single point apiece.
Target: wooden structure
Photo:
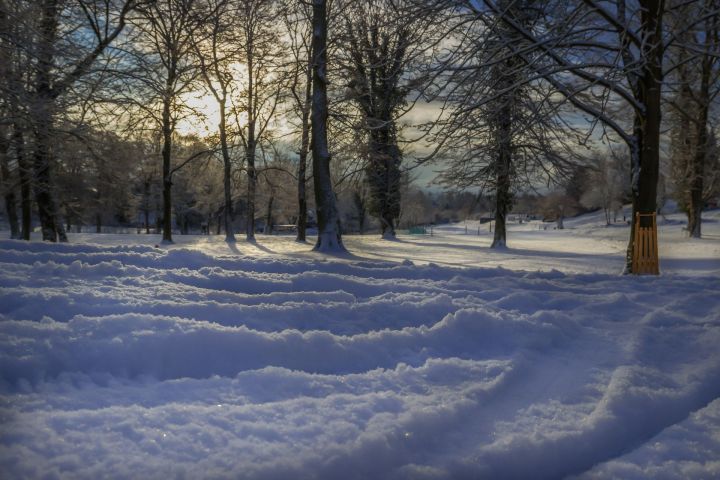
(645, 258)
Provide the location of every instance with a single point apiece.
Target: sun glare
(205, 116)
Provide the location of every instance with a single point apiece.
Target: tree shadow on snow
(253, 243)
(516, 251)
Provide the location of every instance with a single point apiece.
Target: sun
(204, 116)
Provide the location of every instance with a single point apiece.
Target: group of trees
(97, 109)
(43, 61)
(517, 65)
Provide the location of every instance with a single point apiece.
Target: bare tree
(597, 52)
(7, 181)
(329, 234)
(94, 176)
(382, 48)
(696, 84)
(18, 24)
(71, 34)
(217, 53)
(276, 189)
(260, 89)
(502, 128)
(605, 186)
(297, 21)
(167, 70)
(625, 68)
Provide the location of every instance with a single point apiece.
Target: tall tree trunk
(68, 219)
(7, 181)
(697, 172)
(504, 138)
(269, 216)
(251, 190)
(646, 157)
(391, 206)
(697, 167)
(302, 162)
(383, 191)
(166, 176)
(361, 221)
(329, 236)
(561, 217)
(42, 112)
(98, 214)
(10, 103)
(146, 205)
(383, 174)
(227, 179)
(251, 145)
(47, 210)
(503, 199)
(25, 182)
(302, 199)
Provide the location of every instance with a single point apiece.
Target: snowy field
(425, 358)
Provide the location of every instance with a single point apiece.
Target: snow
(422, 358)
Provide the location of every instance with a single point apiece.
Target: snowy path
(194, 362)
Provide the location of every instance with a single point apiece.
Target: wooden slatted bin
(645, 260)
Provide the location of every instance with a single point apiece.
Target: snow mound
(137, 362)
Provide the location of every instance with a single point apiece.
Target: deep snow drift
(129, 361)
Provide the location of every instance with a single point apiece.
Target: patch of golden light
(203, 116)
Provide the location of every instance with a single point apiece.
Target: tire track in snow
(234, 363)
(133, 345)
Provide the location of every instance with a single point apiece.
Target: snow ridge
(135, 362)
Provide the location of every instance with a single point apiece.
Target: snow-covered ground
(420, 358)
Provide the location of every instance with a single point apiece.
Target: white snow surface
(425, 358)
